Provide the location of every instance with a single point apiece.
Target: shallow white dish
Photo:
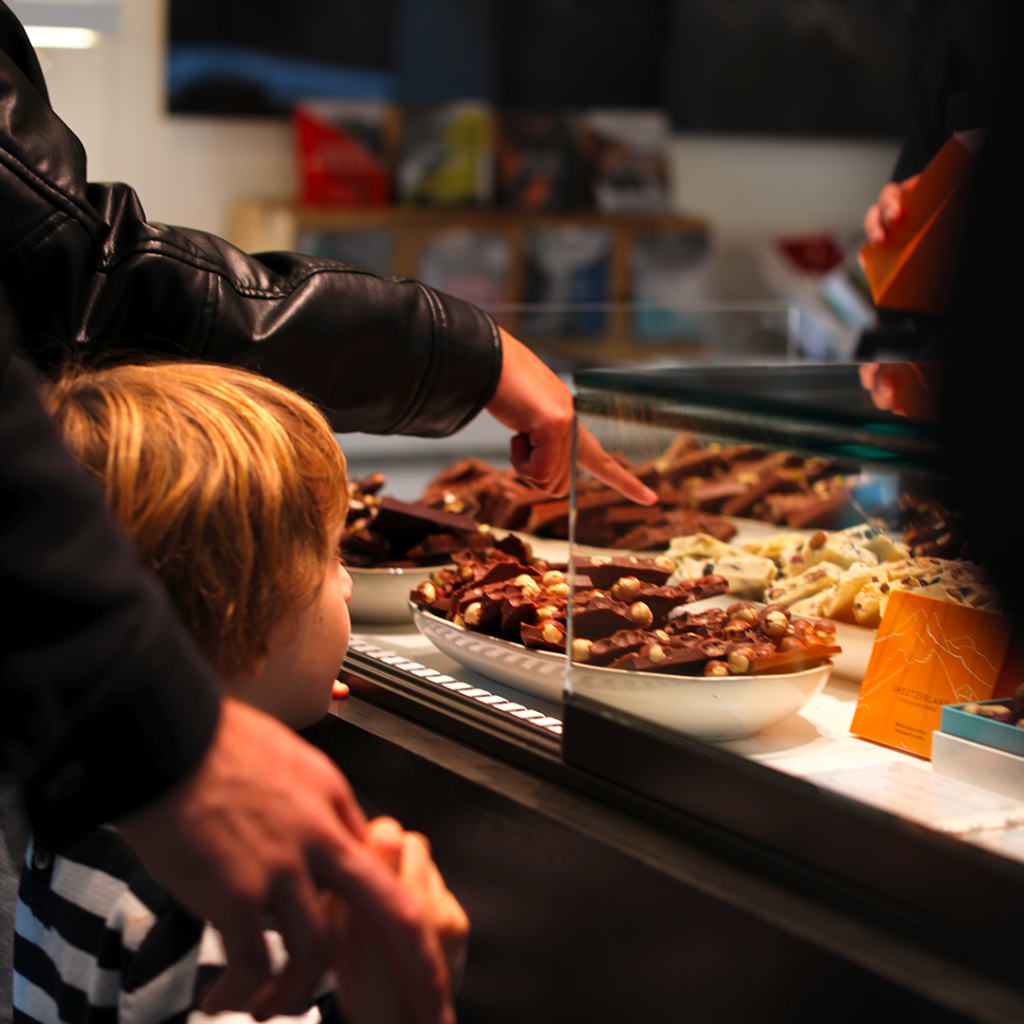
(382, 595)
(706, 707)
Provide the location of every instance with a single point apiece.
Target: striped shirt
(97, 941)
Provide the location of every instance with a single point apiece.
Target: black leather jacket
(85, 270)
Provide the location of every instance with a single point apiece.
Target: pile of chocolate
(932, 530)
(383, 532)
(696, 485)
(625, 616)
(1010, 713)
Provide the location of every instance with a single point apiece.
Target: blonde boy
(235, 492)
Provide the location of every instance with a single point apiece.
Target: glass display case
(719, 639)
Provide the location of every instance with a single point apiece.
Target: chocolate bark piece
(630, 514)
(545, 514)
(516, 611)
(517, 549)
(699, 462)
(645, 538)
(710, 495)
(601, 619)
(371, 484)
(690, 521)
(618, 645)
(507, 503)
(671, 661)
(533, 636)
(818, 510)
(603, 572)
(365, 544)
(661, 600)
(778, 481)
(791, 661)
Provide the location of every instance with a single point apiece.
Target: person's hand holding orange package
(366, 989)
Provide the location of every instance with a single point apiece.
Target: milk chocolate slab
(604, 572)
(618, 645)
(791, 661)
(676, 661)
(601, 619)
(532, 636)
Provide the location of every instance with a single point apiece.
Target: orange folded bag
(913, 268)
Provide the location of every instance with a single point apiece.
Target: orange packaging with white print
(927, 654)
(913, 268)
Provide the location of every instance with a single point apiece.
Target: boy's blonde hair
(232, 486)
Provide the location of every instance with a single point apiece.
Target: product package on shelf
(345, 151)
(538, 161)
(469, 265)
(447, 155)
(567, 267)
(625, 151)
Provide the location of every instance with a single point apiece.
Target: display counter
(591, 901)
(634, 844)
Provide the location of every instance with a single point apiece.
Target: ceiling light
(63, 36)
(69, 24)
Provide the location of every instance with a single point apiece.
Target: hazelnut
(483, 527)
(551, 577)
(654, 653)
(471, 616)
(438, 577)
(545, 611)
(662, 635)
(528, 585)
(429, 592)
(581, 649)
(459, 620)
(558, 590)
(736, 628)
(774, 624)
(739, 661)
(465, 572)
(817, 539)
(551, 632)
(641, 614)
(716, 668)
(791, 643)
(626, 588)
(664, 563)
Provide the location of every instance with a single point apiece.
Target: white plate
(382, 595)
(717, 708)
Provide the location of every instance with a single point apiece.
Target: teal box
(958, 722)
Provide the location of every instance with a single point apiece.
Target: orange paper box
(927, 653)
(913, 268)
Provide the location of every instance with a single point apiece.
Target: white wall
(189, 170)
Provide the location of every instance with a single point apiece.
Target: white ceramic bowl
(381, 596)
(718, 708)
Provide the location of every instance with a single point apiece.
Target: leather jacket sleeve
(85, 271)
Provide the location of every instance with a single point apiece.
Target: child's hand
(366, 990)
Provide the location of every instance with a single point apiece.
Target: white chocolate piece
(748, 576)
(796, 588)
(700, 545)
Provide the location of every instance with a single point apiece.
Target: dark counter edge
(895, 942)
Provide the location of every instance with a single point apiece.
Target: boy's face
(306, 649)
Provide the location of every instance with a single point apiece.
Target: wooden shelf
(261, 225)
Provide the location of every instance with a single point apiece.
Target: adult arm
(85, 268)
